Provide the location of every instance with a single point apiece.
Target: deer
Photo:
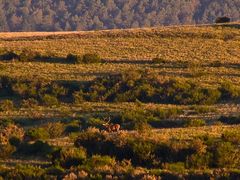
(111, 127)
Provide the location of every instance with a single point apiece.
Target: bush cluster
(130, 87)
(199, 153)
(136, 87)
(28, 55)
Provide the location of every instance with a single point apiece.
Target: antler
(109, 119)
(105, 119)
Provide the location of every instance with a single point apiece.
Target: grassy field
(189, 43)
(205, 55)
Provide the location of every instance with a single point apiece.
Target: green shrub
(57, 90)
(202, 109)
(167, 113)
(142, 126)
(143, 151)
(24, 89)
(72, 157)
(6, 150)
(78, 97)
(231, 136)
(199, 161)
(37, 133)
(97, 162)
(226, 155)
(6, 122)
(92, 140)
(29, 103)
(229, 91)
(6, 105)
(49, 100)
(26, 172)
(55, 130)
(195, 123)
(91, 58)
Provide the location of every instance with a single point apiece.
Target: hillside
(55, 15)
(126, 104)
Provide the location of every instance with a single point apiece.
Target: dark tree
(223, 19)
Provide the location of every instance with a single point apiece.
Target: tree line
(62, 15)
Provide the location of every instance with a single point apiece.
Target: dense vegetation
(177, 108)
(29, 15)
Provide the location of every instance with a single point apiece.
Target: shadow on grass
(227, 25)
(51, 59)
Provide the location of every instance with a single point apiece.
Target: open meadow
(145, 103)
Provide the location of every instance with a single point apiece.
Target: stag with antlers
(111, 127)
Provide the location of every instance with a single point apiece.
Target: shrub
(231, 136)
(142, 126)
(26, 172)
(195, 123)
(55, 130)
(229, 91)
(92, 140)
(71, 156)
(49, 100)
(226, 155)
(6, 105)
(199, 161)
(143, 151)
(78, 97)
(27, 55)
(8, 130)
(58, 91)
(223, 19)
(29, 103)
(6, 150)
(202, 109)
(98, 163)
(71, 58)
(24, 89)
(37, 133)
(91, 58)
(166, 113)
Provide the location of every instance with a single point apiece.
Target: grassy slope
(189, 45)
(205, 43)
(177, 44)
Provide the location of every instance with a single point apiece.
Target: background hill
(63, 15)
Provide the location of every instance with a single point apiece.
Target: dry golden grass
(200, 43)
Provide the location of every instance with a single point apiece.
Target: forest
(69, 15)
